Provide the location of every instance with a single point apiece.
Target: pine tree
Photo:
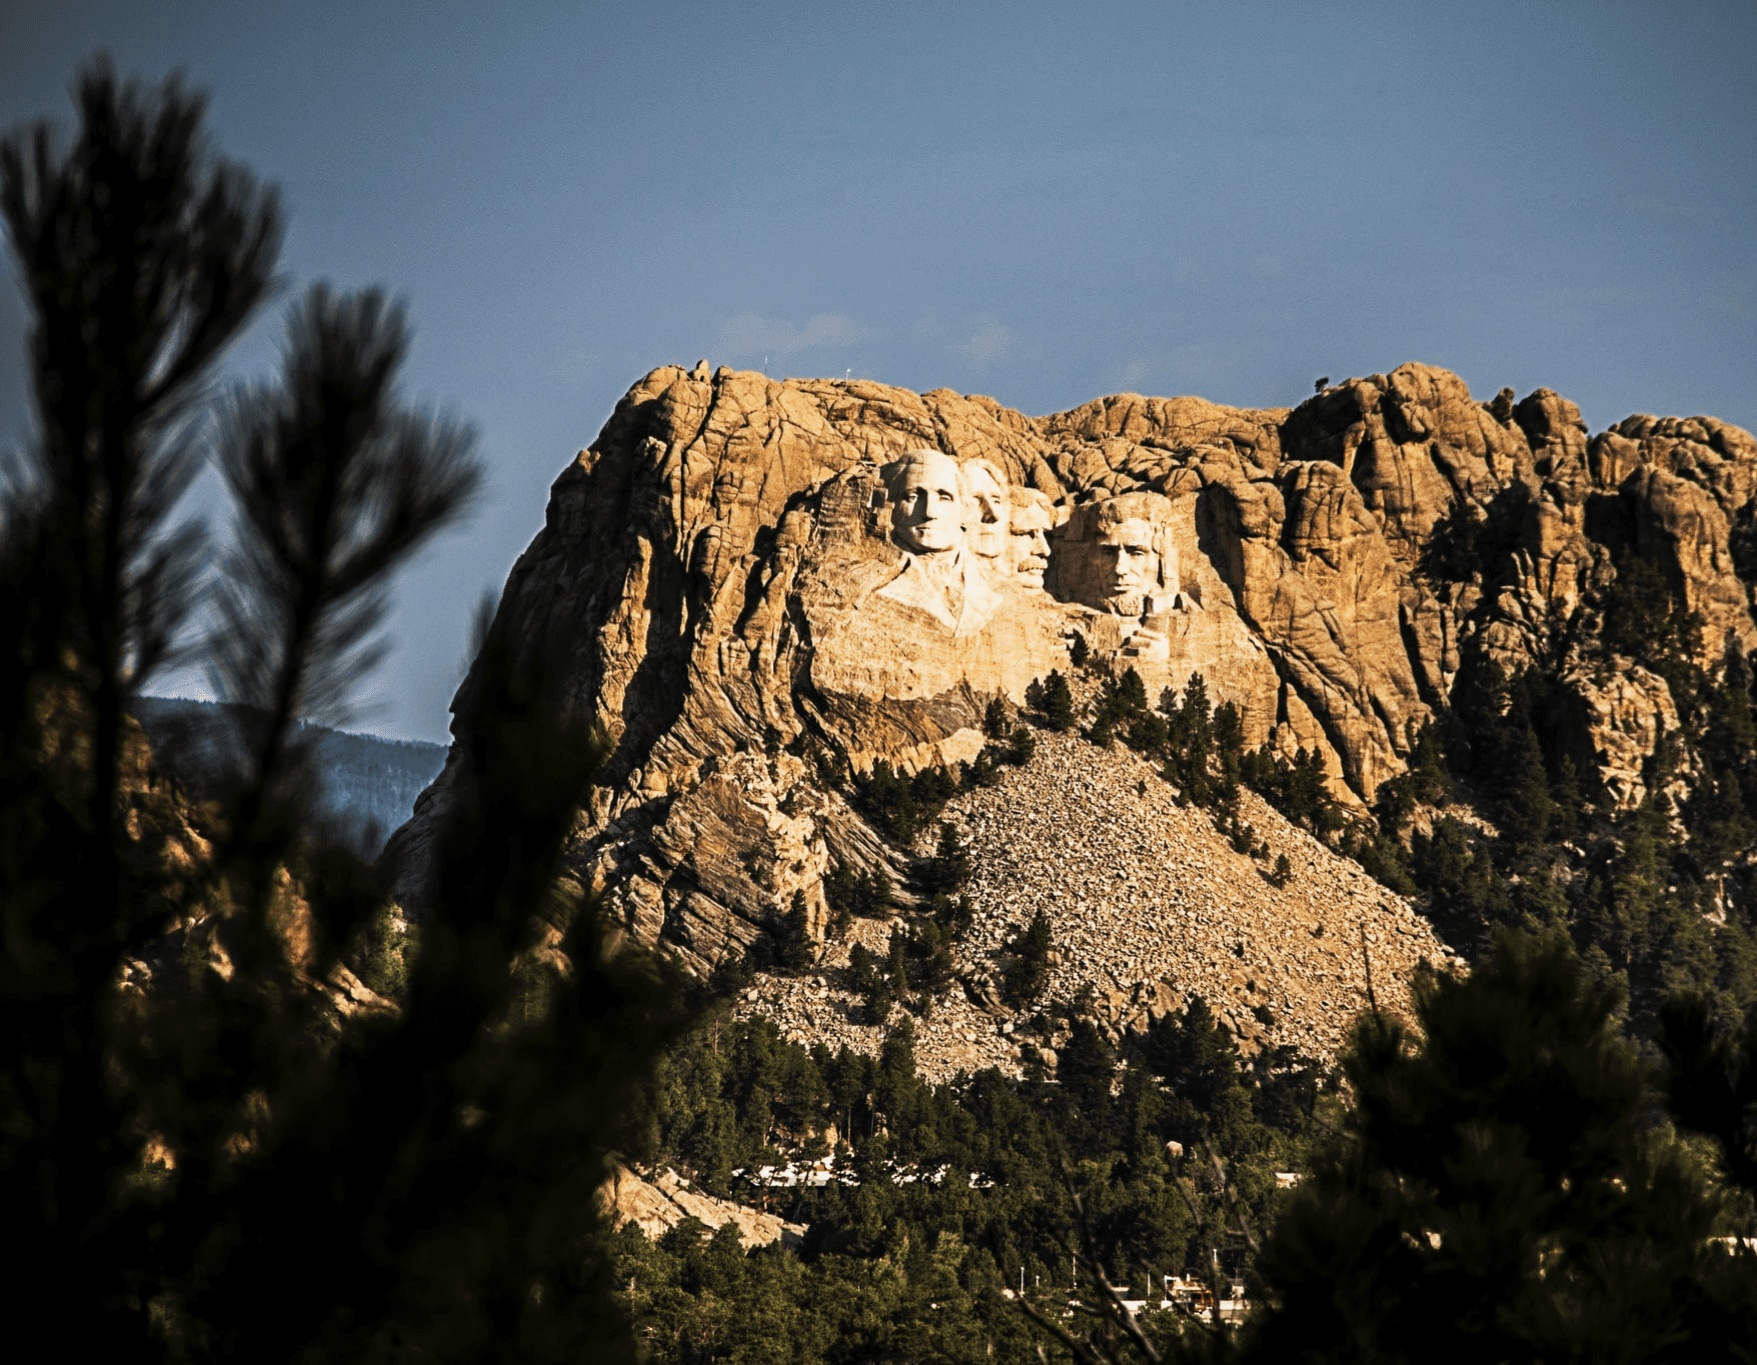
(1198, 1060)
(897, 965)
(1149, 733)
(868, 979)
(796, 943)
(329, 1174)
(1567, 802)
(1121, 701)
(949, 868)
(842, 893)
(934, 942)
(1191, 744)
(1058, 703)
(1466, 893)
(1501, 1186)
(1029, 972)
(1229, 744)
(888, 797)
(874, 895)
(142, 258)
(1525, 808)
(1131, 693)
(1427, 764)
(1087, 1063)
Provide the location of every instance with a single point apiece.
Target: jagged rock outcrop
(1610, 719)
(658, 1205)
(737, 562)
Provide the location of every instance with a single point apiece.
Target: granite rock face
(658, 1205)
(737, 562)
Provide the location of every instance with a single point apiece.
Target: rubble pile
(1149, 905)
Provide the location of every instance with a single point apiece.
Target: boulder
(666, 1201)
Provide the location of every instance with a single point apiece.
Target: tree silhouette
(1028, 973)
(796, 942)
(141, 258)
(1503, 1186)
(1058, 703)
(214, 1167)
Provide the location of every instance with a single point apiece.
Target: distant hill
(366, 785)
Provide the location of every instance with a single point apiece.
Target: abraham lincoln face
(1129, 561)
(1029, 534)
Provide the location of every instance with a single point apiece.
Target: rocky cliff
(738, 565)
(667, 1201)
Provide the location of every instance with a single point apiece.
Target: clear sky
(1041, 202)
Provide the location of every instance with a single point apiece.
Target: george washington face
(927, 504)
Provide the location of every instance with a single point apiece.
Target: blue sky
(1040, 202)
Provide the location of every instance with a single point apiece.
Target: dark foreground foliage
(210, 1169)
(1506, 1184)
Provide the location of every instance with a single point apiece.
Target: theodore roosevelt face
(927, 504)
(1031, 520)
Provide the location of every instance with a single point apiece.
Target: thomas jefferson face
(1130, 563)
(1030, 525)
(927, 515)
(989, 512)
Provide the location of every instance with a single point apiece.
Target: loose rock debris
(1149, 906)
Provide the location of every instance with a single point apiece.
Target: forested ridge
(960, 1188)
(365, 786)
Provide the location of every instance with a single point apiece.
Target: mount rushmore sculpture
(738, 564)
(928, 578)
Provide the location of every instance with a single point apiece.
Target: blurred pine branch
(211, 1168)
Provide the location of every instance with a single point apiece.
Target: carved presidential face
(927, 505)
(988, 511)
(1029, 529)
(1129, 563)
